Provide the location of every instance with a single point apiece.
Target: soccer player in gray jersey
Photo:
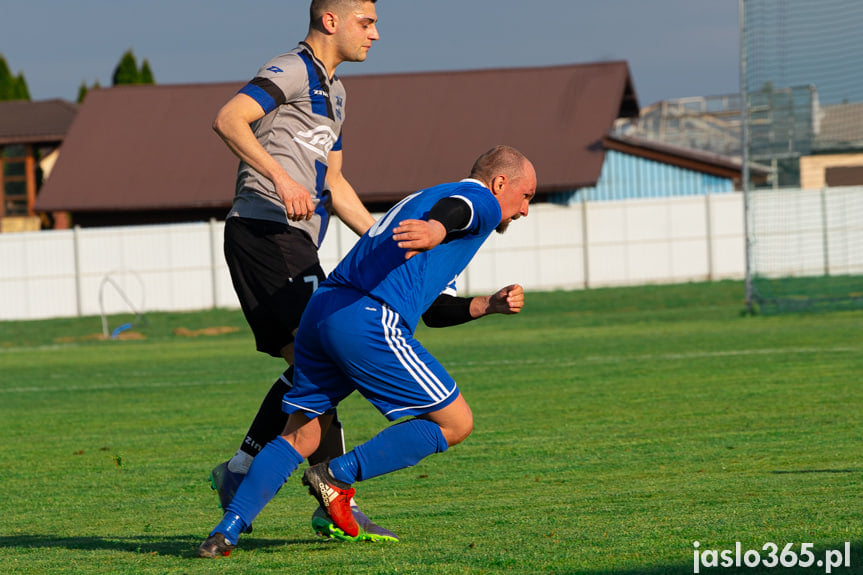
(285, 127)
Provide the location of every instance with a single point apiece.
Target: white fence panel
(37, 275)
(181, 266)
(727, 237)
(808, 232)
(844, 233)
(167, 267)
(654, 241)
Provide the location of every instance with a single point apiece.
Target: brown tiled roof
(43, 122)
(152, 147)
(144, 148)
(409, 131)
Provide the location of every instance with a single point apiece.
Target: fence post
(708, 209)
(825, 233)
(213, 264)
(76, 254)
(744, 159)
(585, 240)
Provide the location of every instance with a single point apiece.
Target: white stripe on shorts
(406, 356)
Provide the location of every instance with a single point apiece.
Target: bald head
(511, 177)
(500, 160)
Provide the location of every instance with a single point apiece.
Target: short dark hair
(318, 7)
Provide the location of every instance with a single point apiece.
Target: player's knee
(459, 430)
(455, 421)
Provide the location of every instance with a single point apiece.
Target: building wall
(814, 168)
(627, 177)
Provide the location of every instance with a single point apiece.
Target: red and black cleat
(333, 495)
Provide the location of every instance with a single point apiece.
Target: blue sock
(401, 445)
(269, 471)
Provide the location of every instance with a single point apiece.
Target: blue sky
(675, 48)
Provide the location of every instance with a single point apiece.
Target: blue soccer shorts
(347, 341)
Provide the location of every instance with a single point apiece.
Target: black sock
(270, 420)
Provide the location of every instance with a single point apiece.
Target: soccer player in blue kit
(357, 334)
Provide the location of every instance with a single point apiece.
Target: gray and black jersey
(304, 111)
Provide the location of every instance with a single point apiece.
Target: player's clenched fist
(508, 300)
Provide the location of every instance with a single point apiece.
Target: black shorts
(275, 269)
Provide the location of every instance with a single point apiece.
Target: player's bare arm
(232, 124)
(346, 203)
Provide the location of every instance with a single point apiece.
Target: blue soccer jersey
(376, 266)
(357, 331)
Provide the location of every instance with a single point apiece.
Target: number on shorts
(311, 280)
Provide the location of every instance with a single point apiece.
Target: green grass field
(613, 429)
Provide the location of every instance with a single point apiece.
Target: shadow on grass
(855, 567)
(805, 471)
(185, 546)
